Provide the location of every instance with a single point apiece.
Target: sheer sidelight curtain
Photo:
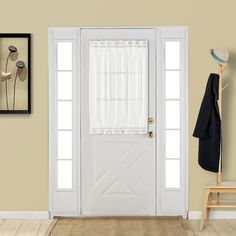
(118, 86)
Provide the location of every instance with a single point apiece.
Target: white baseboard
(213, 215)
(24, 215)
(45, 214)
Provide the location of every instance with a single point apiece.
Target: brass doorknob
(150, 134)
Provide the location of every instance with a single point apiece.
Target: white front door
(118, 171)
(104, 84)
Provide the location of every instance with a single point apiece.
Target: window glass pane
(64, 55)
(172, 174)
(64, 146)
(64, 83)
(172, 114)
(118, 85)
(64, 174)
(172, 55)
(172, 144)
(172, 84)
(64, 115)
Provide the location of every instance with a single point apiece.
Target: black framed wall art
(15, 77)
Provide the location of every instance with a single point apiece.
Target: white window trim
(73, 33)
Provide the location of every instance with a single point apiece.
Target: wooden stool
(223, 187)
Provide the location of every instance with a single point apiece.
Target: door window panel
(64, 115)
(64, 146)
(64, 85)
(172, 173)
(172, 144)
(64, 174)
(172, 114)
(172, 55)
(64, 55)
(118, 85)
(172, 79)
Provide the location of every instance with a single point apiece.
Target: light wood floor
(214, 227)
(26, 227)
(167, 228)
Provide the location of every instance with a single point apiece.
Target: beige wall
(24, 138)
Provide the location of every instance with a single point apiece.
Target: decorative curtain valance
(118, 86)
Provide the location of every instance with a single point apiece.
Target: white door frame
(73, 196)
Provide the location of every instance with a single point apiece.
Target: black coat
(208, 127)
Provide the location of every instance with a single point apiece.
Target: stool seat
(213, 187)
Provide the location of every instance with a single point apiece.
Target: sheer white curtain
(118, 86)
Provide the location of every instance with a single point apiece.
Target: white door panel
(118, 171)
(118, 177)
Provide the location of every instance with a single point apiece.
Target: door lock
(150, 134)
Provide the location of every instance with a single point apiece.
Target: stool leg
(204, 208)
(218, 197)
(208, 209)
